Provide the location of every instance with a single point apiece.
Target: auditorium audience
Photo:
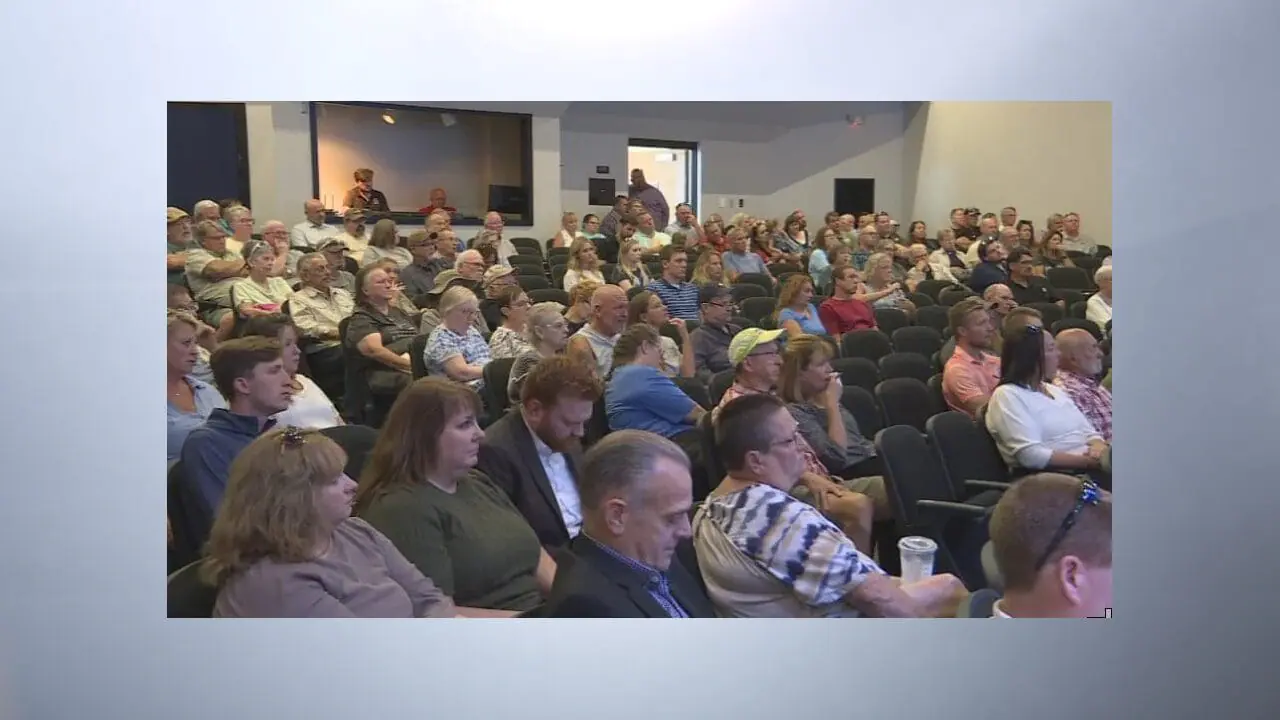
(1079, 373)
(1034, 423)
(819, 261)
(680, 297)
(685, 222)
(630, 271)
(1023, 283)
(180, 241)
(652, 198)
(495, 224)
(470, 265)
(309, 407)
(793, 234)
(354, 235)
(312, 232)
(363, 196)
(212, 268)
(579, 310)
(547, 335)
(534, 453)
(207, 210)
(591, 228)
(636, 491)
(1051, 254)
(763, 553)
(972, 372)
(260, 293)
(709, 269)
(711, 339)
(594, 343)
(849, 309)
(584, 264)
(191, 400)
(439, 203)
(250, 375)
(646, 308)
(948, 255)
(420, 488)
(757, 363)
(456, 349)
(317, 309)
(399, 298)
(335, 253)
(988, 233)
(1098, 307)
(639, 396)
(879, 281)
(384, 244)
(795, 311)
(508, 340)
(380, 332)
(609, 226)
(1051, 538)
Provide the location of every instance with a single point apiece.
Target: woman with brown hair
(284, 543)
(795, 312)
(420, 488)
(1050, 254)
(646, 308)
(508, 340)
(579, 311)
(384, 244)
(380, 331)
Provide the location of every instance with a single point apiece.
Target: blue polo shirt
(640, 397)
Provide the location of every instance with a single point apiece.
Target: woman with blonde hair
(422, 490)
(878, 277)
(709, 270)
(813, 393)
(546, 335)
(584, 264)
(384, 244)
(456, 349)
(284, 543)
(568, 231)
(579, 311)
(630, 271)
(190, 399)
(646, 308)
(795, 312)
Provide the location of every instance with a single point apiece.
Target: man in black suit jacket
(533, 453)
(637, 494)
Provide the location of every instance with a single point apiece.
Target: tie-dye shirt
(764, 553)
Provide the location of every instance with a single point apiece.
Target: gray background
(82, 632)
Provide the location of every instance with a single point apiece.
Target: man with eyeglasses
(1026, 287)
(1051, 536)
(353, 234)
(711, 339)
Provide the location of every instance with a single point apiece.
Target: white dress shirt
(1098, 309)
(563, 487)
(1029, 426)
(309, 234)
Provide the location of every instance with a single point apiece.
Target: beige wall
(1040, 157)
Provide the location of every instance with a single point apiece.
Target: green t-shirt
(473, 543)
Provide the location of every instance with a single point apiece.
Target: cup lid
(916, 543)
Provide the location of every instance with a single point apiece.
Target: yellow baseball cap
(747, 340)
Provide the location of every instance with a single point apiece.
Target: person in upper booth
(363, 196)
(439, 201)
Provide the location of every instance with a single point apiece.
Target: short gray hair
(620, 462)
(540, 318)
(1102, 273)
(467, 256)
(307, 261)
(205, 204)
(235, 212)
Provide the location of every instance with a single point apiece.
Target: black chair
(357, 441)
(857, 372)
(692, 325)
(417, 355)
(1071, 297)
(757, 308)
(954, 294)
(1068, 277)
(1089, 264)
(890, 320)
(670, 331)
(980, 604)
(634, 291)
(547, 294)
(187, 595)
(861, 404)
(350, 265)
(763, 280)
(558, 255)
(906, 365)
(527, 264)
(923, 504)
(1049, 312)
(188, 519)
(496, 374)
(977, 474)
(920, 299)
(715, 471)
(933, 316)
(742, 291)
(935, 389)
(720, 382)
(743, 322)
(933, 288)
(1069, 323)
(918, 339)
(527, 245)
(598, 425)
(655, 268)
(1079, 310)
(557, 275)
(868, 343)
(780, 269)
(905, 401)
(696, 391)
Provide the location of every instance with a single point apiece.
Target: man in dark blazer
(637, 494)
(533, 453)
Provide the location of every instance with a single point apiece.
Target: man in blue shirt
(680, 297)
(991, 270)
(640, 396)
(740, 259)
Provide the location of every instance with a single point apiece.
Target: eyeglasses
(1090, 494)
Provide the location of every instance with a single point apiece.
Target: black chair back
(980, 604)
(780, 269)
(715, 471)
(557, 275)
(696, 391)
(906, 365)
(911, 472)
(743, 322)
(743, 290)
(935, 389)
(547, 294)
(355, 399)
(669, 331)
(1049, 312)
(633, 291)
(357, 441)
(933, 316)
(188, 520)
(905, 401)
(762, 280)
(890, 320)
(188, 596)
(920, 300)
(861, 404)
(758, 308)
(917, 339)
(868, 343)
(857, 372)
(953, 295)
(527, 245)
(720, 383)
(963, 451)
(418, 356)
(933, 288)
(1068, 277)
(558, 255)
(1069, 323)
(598, 425)
(1079, 310)
(496, 374)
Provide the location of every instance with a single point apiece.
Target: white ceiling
(767, 114)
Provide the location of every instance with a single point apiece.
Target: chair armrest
(943, 510)
(986, 485)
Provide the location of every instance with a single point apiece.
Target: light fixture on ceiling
(388, 118)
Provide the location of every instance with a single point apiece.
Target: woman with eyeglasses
(1035, 424)
(509, 339)
(455, 349)
(546, 335)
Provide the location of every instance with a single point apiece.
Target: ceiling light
(388, 118)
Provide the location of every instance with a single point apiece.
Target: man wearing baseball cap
(335, 252)
(179, 229)
(757, 362)
(431, 316)
(496, 279)
(353, 233)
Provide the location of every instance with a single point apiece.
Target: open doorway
(672, 166)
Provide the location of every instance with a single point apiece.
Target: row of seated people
(434, 536)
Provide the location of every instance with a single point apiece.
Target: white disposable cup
(917, 555)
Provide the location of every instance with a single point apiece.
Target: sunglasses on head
(1090, 494)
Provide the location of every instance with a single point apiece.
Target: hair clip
(293, 437)
(1034, 329)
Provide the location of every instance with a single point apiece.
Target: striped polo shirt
(681, 300)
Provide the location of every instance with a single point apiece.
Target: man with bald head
(594, 343)
(312, 232)
(494, 224)
(1079, 373)
(276, 234)
(470, 265)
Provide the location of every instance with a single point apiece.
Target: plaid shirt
(656, 582)
(1093, 400)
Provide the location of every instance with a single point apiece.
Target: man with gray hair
(313, 231)
(1098, 308)
(636, 494)
(470, 265)
(206, 210)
